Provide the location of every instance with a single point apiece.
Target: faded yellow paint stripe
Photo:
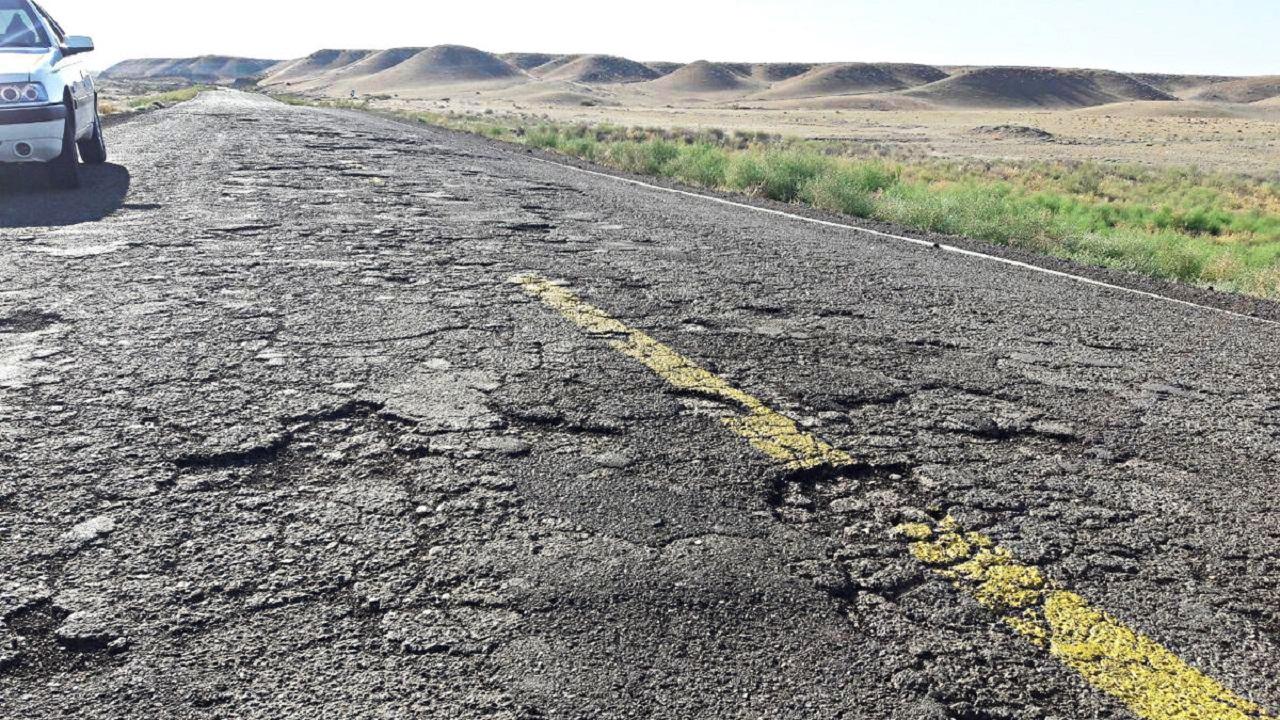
(1152, 681)
(1123, 663)
(768, 431)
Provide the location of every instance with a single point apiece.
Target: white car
(48, 103)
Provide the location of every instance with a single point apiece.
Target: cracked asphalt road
(279, 438)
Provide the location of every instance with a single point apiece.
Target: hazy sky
(1188, 36)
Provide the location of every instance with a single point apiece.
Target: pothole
(29, 321)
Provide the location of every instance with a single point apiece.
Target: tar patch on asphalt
(1114, 659)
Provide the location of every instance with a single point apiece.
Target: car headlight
(13, 93)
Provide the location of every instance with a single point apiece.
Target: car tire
(93, 149)
(64, 171)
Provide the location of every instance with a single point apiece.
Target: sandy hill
(1165, 109)
(529, 61)
(854, 79)
(314, 65)
(551, 92)
(409, 69)
(363, 65)
(664, 68)
(1244, 90)
(744, 69)
(553, 64)
(456, 63)
(593, 79)
(216, 69)
(596, 70)
(704, 77)
(880, 102)
(777, 72)
(1181, 85)
(1021, 87)
(372, 65)
(381, 60)
(913, 75)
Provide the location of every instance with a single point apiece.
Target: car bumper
(39, 129)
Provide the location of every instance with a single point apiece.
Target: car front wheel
(93, 149)
(64, 171)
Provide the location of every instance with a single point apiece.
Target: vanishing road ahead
(307, 413)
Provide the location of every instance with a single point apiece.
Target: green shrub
(984, 212)
(544, 137)
(702, 164)
(850, 187)
(838, 192)
(746, 172)
(644, 158)
(583, 147)
(1179, 260)
(787, 171)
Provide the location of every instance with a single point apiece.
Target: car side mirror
(76, 44)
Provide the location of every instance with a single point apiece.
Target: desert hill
(314, 65)
(854, 79)
(1164, 109)
(376, 62)
(214, 69)
(440, 65)
(664, 68)
(371, 64)
(1183, 86)
(703, 77)
(553, 63)
(1049, 88)
(595, 70)
(1242, 90)
(529, 61)
(549, 93)
(743, 69)
(778, 72)
(397, 70)
(564, 79)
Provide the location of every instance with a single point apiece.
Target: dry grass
(1204, 228)
(1234, 139)
(117, 99)
(165, 99)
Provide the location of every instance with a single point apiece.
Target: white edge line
(915, 241)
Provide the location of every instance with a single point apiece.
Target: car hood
(22, 64)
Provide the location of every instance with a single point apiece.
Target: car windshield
(19, 27)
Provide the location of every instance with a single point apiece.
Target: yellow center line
(767, 430)
(1113, 658)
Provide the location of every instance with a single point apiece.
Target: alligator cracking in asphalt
(1113, 658)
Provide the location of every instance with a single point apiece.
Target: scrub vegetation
(127, 103)
(166, 99)
(1185, 225)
